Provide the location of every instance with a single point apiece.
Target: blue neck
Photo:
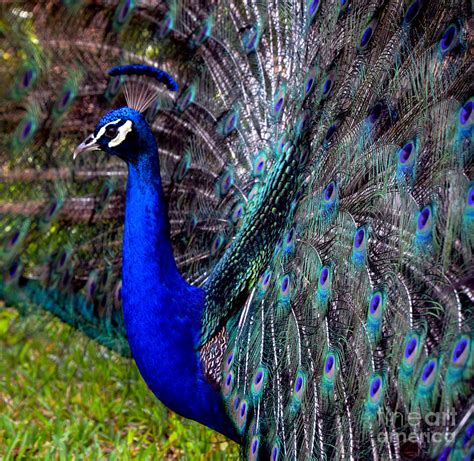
(162, 312)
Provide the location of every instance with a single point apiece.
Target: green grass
(64, 397)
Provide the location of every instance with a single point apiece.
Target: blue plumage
(296, 220)
(156, 299)
(141, 69)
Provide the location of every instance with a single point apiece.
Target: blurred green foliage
(64, 397)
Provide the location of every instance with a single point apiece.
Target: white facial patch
(122, 134)
(102, 130)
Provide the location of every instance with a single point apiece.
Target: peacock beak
(88, 145)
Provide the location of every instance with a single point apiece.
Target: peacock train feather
(296, 181)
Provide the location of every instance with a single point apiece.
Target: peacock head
(123, 133)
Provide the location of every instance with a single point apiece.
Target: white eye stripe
(102, 130)
(122, 133)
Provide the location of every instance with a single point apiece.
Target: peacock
(279, 225)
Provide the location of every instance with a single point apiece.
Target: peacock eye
(111, 131)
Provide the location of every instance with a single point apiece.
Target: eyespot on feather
(259, 381)
(359, 245)
(299, 388)
(310, 82)
(449, 39)
(259, 164)
(312, 7)
(251, 38)
(412, 347)
(284, 289)
(265, 279)
(254, 447)
(424, 225)
(123, 13)
(165, 26)
(227, 384)
(411, 12)
(330, 368)
(186, 99)
(202, 33)
(279, 101)
(217, 244)
(365, 38)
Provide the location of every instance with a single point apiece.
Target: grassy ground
(63, 397)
